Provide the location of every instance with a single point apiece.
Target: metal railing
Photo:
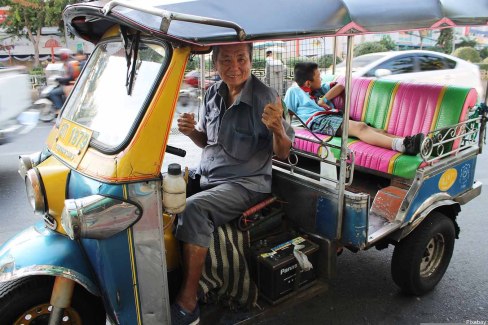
(449, 141)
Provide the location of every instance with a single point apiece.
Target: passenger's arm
(186, 125)
(272, 118)
(334, 91)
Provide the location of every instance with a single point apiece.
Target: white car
(15, 99)
(417, 65)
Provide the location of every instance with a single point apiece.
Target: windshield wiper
(131, 48)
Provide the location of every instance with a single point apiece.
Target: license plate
(72, 142)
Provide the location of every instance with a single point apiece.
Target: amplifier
(276, 270)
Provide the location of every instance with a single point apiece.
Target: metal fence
(274, 61)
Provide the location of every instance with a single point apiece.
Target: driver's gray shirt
(239, 146)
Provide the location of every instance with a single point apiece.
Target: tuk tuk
(105, 251)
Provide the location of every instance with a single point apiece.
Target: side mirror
(382, 73)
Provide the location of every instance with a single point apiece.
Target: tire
(46, 112)
(421, 259)
(26, 301)
(47, 115)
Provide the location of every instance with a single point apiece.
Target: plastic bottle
(174, 190)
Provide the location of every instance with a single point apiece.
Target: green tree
(27, 17)
(388, 43)
(484, 53)
(468, 54)
(445, 40)
(369, 47)
(467, 42)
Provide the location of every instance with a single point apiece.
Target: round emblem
(447, 179)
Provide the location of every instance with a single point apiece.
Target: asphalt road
(363, 291)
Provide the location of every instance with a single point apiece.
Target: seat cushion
(402, 109)
(366, 155)
(360, 89)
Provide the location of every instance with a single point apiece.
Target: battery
(276, 270)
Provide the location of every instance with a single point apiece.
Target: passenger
(311, 102)
(240, 127)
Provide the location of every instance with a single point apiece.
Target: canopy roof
(261, 20)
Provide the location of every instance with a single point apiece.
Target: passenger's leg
(409, 145)
(369, 135)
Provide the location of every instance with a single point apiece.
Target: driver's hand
(272, 116)
(186, 123)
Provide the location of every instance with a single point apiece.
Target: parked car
(417, 65)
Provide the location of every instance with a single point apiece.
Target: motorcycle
(104, 250)
(44, 104)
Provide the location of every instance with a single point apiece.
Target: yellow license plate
(72, 142)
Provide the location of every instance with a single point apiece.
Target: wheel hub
(39, 315)
(432, 257)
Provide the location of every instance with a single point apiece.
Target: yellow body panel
(54, 176)
(143, 156)
(171, 244)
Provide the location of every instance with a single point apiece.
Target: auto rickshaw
(104, 250)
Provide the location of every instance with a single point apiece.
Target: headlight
(97, 216)
(27, 162)
(35, 191)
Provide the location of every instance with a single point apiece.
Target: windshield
(100, 101)
(362, 60)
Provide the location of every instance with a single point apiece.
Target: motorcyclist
(71, 72)
(80, 57)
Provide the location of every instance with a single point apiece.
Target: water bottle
(174, 190)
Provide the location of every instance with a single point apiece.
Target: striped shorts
(326, 124)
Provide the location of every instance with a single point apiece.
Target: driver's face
(233, 64)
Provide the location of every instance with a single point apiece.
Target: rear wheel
(421, 259)
(26, 301)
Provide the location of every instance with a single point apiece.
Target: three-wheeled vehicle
(104, 249)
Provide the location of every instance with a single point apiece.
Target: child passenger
(311, 102)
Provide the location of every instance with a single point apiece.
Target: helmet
(64, 54)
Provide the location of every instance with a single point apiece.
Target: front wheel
(26, 301)
(421, 259)
(46, 112)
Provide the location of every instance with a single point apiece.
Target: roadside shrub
(468, 54)
(326, 61)
(37, 71)
(369, 47)
(258, 63)
(484, 53)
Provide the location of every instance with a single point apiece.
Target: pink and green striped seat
(402, 109)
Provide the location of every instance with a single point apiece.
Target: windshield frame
(106, 148)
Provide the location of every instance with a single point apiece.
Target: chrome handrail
(434, 146)
(291, 163)
(168, 16)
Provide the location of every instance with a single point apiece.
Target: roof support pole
(334, 55)
(345, 133)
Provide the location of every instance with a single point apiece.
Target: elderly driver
(240, 127)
